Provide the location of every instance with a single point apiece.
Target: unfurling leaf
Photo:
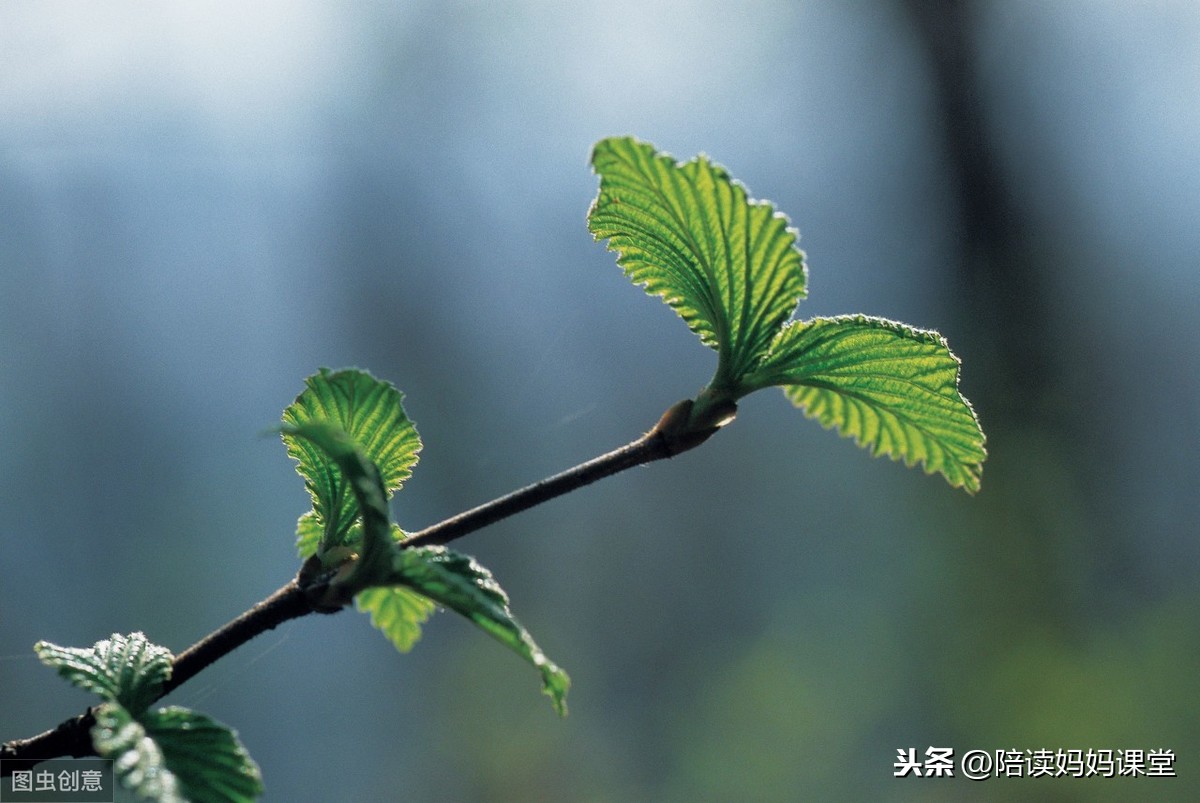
(371, 413)
(308, 534)
(125, 669)
(396, 611)
(892, 388)
(367, 492)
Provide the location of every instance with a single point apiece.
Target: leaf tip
(556, 689)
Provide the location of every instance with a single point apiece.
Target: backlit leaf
(688, 233)
(371, 413)
(398, 612)
(308, 534)
(730, 267)
(892, 388)
(205, 755)
(363, 479)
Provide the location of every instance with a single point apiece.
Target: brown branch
(675, 432)
(680, 428)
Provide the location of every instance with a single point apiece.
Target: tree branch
(677, 431)
(289, 602)
(654, 445)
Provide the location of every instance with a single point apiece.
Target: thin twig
(640, 451)
(289, 602)
(674, 433)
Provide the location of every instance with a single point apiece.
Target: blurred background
(201, 203)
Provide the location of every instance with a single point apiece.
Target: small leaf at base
(205, 755)
(174, 755)
(125, 669)
(396, 611)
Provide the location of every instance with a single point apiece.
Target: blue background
(202, 203)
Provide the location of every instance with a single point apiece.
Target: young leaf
(125, 669)
(730, 267)
(398, 612)
(138, 761)
(363, 479)
(174, 755)
(459, 583)
(371, 412)
(206, 756)
(892, 388)
(688, 233)
(308, 534)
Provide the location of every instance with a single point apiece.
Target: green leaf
(205, 755)
(138, 760)
(308, 534)
(124, 669)
(688, 233)
(457, 582)
(398, 612)
(174, 755)
(731, 268)
(892, 388)
(368, 492)
(371, 413)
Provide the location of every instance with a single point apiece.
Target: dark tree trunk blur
(998, 287)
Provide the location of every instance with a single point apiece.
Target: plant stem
(673, 434)
(289, 602)
(641, 451)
